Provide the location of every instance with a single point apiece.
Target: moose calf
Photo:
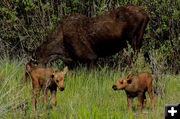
(46, 79)
(136, 86)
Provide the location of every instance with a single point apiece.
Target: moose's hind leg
(151, 97)
(144, 101)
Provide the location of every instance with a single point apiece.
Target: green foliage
(140, 65)
(27, 22)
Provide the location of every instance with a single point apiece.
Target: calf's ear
(28, 68)
(33, 62)
(129, 81)
(65, 70)
(130, 76)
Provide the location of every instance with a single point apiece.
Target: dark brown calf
(46, 79)
(136, 86)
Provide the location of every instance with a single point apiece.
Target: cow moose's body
(80, 39)
(136, 86)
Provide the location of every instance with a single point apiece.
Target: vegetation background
(88, 94)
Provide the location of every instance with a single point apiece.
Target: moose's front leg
(53, 95)
(45, 91)
(129, 101)
(140, 101)
(35, 94)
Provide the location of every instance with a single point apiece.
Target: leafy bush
(24, 23)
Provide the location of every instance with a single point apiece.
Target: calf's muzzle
(61, 89)
(114, 87)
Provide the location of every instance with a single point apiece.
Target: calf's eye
(57, 81)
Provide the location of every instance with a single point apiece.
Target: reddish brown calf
(136, 86)
(46, 79)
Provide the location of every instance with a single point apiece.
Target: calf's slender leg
(129, 101)
(45, 97)
(35, 94)
(140, 101)
(53, 95)
(144, 101)
(151, 97)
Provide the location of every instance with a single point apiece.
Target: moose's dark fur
(79, 39)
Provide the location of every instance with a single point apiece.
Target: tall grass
(88, 94)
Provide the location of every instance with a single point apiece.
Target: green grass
(87, 95)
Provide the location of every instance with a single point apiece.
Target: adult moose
(80, 39)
